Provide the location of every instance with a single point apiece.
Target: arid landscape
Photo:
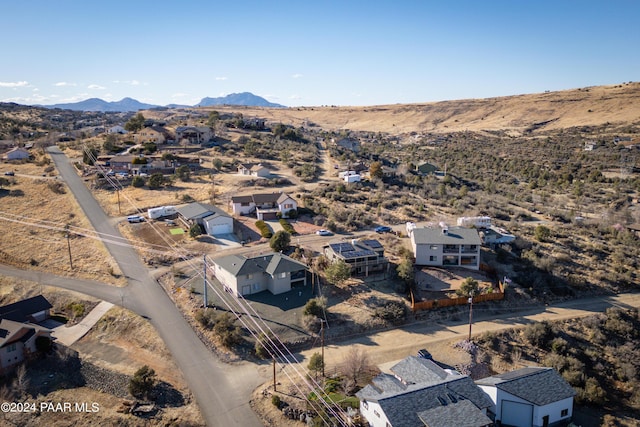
(560, 171)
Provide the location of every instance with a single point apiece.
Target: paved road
(222, 391)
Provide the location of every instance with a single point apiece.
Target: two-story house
(194, 134)
(363, 256)
(265, 206)
(156, 134)
(446, 247)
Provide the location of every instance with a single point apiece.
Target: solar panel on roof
(372, 243)
(358, 254)
(342, 247)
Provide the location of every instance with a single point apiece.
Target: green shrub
(142, 382)
(138, 181)
(394, 312)
(286, 226)
(265, 229)
(276, 401)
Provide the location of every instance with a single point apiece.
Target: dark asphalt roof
(462, 413)
(19, 311)
(275, 263)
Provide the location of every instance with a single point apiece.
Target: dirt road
(396, 344)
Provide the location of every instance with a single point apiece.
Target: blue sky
(312, 53)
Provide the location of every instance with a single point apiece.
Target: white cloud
(96, 87)
(60, 84)
(222, 78)
(295, 97)
(14, 84)
(296, 76)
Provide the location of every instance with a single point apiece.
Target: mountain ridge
(128, 104)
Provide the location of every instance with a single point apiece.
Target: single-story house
(253, 170)
(18, 342)
(446, 246)
(194, 134)
(117, 129)
(530, 397)
(266, 206)
(17, 153)
(363, 256)
(274, 272)
(418, 392)
(213, 220)
(425, 168)
(34, 309)
(349, 176)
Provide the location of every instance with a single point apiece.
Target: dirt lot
(35, 210)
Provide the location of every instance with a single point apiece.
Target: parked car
(324, 233)
(9, 173)
(383, 229)
(135, 218)
(169, 222)
(424, 354)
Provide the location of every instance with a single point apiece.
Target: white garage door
(517, 414)
(216, 229)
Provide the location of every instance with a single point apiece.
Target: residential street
(221, 390)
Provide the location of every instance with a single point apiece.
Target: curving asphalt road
(221, 390)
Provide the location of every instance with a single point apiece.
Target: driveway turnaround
(221, 390)
(69, 335)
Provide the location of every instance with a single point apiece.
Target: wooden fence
(450, 302)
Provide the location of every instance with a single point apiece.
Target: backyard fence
(496, 295)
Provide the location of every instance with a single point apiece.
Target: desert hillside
(597, 105)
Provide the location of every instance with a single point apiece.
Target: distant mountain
(244, 98)
(129, 104)
(97, 104)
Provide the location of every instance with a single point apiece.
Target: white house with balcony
(265, 206)
(446, 247)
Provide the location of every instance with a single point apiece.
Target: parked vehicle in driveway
(135, 218)
(324, 233)
(9, 173)
(383, 229)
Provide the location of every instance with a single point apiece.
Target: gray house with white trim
(420, 393)
(530, 397)
(213, 220)
(275, 272)
(446, 247)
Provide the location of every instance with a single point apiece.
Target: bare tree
(21, 383)
(355, 366)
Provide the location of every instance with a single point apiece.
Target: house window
(434, 247)
(249, 276)
(376, 413)
(288, 206)
(365, 405)
(283, 275)
(433, 258)
(564, 413)
(11, 347)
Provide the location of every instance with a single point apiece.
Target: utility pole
(67, 235)
(118, 193)
(204, 292)
(470, 314)
(322, 344)
(274, 374)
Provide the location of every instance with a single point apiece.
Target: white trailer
(474, 221)
(155, 213)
